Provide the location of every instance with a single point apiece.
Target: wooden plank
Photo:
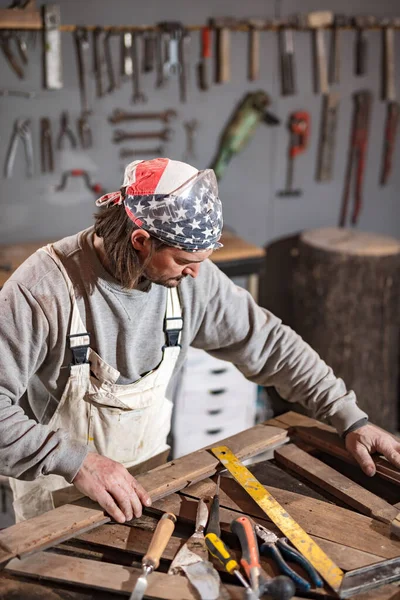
(106, 576)
(335, 483)
(47, 530)
(54, 527)
(323, 437)
(320, 519)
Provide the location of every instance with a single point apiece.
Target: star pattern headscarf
(173, 201)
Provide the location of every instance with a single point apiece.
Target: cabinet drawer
(196, 402)
(184, 444)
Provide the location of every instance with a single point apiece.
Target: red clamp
(96, 188)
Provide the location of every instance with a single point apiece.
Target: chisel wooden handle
(160, 539)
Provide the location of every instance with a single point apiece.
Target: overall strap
(173, 322)
(78, 338)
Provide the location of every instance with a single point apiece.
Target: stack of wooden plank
(89, 555)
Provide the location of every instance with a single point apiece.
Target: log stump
(346, 306)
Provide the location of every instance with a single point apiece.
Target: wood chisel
(327, 137)
(151, 560)
(328, 570)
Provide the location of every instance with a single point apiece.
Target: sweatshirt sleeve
(27, 448)
(233, 327)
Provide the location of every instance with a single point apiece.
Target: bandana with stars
(189, 217)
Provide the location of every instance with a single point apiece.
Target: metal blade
(139, 589)
(204, 578)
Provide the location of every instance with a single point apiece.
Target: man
(93, 328)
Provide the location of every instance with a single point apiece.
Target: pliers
(280, 550)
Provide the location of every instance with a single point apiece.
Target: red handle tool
(299, 127)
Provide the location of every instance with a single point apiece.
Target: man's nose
(192, 270)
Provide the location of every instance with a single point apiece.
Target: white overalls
(128, 423)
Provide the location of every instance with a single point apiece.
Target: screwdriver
(213, 521)
(220, 551)
(278, 588)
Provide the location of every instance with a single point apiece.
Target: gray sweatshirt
(126, 329)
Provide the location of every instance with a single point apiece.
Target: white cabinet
(213, 401)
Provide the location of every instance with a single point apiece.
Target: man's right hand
(111, 485)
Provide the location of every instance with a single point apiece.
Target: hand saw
(328, 570)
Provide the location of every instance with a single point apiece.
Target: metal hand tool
(128, 152)
(46, 146)
(98, 60)
(119, 115)
(287, 60)
(22, 94)
(85, 133)
(213, 525)
(281, 518)
(192, 559)
(299, 130)
(52, 54)
(149, 43)
(357, 154)
(172, 34)
(22, 131)
(120, 135)
(126, 63)
(190, 128)
(327, 137)
(81, 39)
(361, 43)
(137, 95)
(65, 131)
(392, 121)
(279, 549)
(203, 67)
(183, 53)
(113, 79)
(317, 21)
(161, 37)
(221, 552)
(253, 66)
(388, 55)
(222, 28)
(278, 588)
(6, 37)
(334, 56)
(151, 560)
(96, 188)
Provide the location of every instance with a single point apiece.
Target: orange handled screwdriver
(278, 588)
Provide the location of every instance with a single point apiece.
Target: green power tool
(241, 127)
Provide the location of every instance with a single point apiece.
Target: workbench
(328, 510)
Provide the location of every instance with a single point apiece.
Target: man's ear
(140, 240)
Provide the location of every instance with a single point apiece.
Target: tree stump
(346, 306)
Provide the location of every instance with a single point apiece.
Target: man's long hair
(114, 226)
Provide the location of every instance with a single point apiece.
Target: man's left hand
(368, 439)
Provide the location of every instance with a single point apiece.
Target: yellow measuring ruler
(278, 515)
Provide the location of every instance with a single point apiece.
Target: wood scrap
(59, 525)
(321, 519)
(106, 576)
(324, 438)
(336, 484)
(46, 530)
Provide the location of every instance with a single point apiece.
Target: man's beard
(169, 282)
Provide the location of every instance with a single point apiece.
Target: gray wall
(31, 210)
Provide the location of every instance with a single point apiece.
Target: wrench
(137, 96)
(98, 61)
(113, 80)
(128, 152)
(148, 52)
(191, 128)
(119, 115)
(81, 37)
(120, 135)
(126, 66)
